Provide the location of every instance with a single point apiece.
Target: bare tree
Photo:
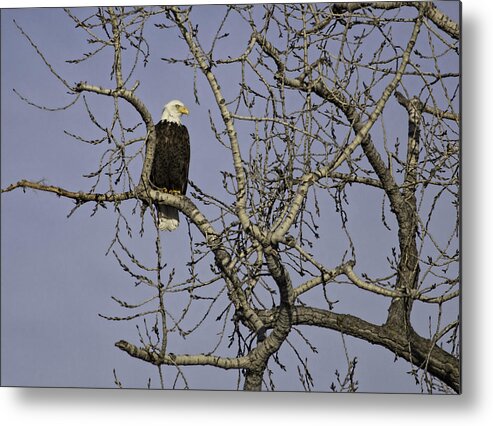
(324, 107)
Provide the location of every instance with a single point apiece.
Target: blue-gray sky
(55, 276)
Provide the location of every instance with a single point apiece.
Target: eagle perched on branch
(169, 171)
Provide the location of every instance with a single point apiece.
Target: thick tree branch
(417, 350)
(408, 268)
(439, 114)
(282, 324)
(440, 19)
(117, 47)
(78, 196)
(171, 359)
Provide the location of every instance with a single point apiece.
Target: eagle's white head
(173, 111)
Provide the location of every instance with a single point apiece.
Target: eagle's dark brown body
(170, 167)
(171, 157)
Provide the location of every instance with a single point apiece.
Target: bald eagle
(169, 171)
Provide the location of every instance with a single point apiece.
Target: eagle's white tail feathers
(168, 219)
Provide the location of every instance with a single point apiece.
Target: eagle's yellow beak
(184, 110)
